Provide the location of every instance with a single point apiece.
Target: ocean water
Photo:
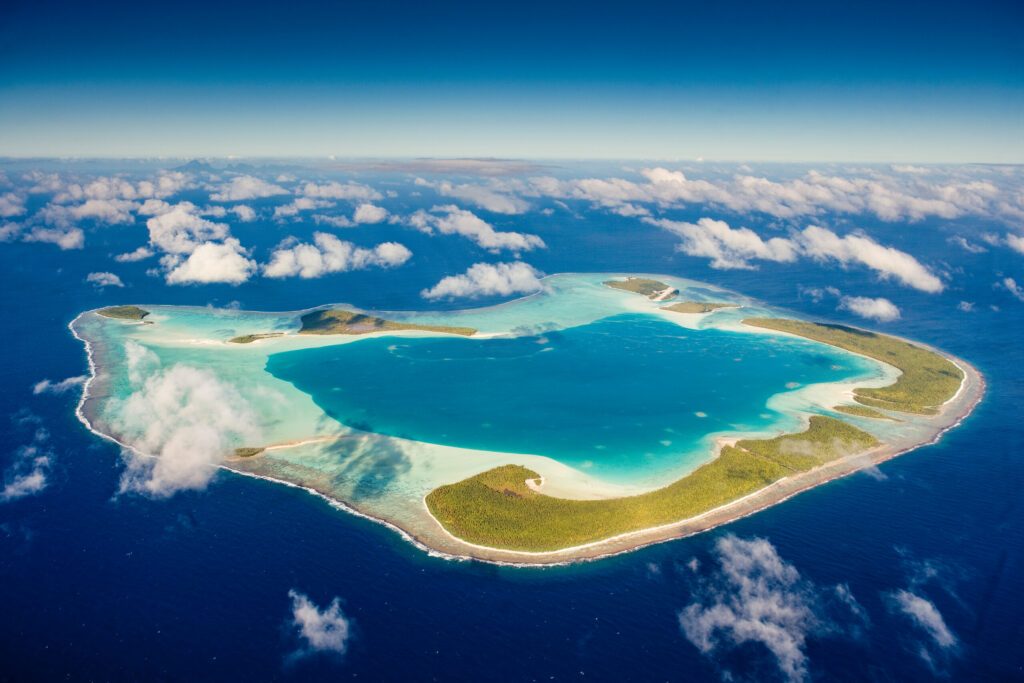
(99, 587)
(626, 398)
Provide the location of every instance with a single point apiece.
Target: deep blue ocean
(195, 587)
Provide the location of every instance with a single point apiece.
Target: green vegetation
(123, 312)
(250, 338)
(340, 321)
(247, 451)
(639, 285)
(861, 411)
(697, 307)
(497, 509)
(928, 379)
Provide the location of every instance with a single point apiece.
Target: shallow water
(626, 398)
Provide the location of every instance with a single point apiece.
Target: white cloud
(890, 198)
(333, 221)
(823, 244)
(321, 630)
(65, 238)
(28, 473)
(47, 386)
(1015, 242)
(335, 190)
(926, 616)
(486, 198)
(139, 254)
(211, 262)
(1013, 288)
(300, 204)
(104, 279)
(488, 279)
(246, 187)
(179, 230)
(112, 211)
(182, 421)
(246, 214)
(455, 221)
(879, 309)
(328, 254)
(727, 247)
(966, 245)
(370, 213)
(757, 597)
(965, 306)
(11, 205)
(164, 184)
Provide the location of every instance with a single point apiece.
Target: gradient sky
(865, 81)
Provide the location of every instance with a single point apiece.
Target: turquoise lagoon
(626, 398)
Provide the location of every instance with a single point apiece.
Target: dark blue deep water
(94, 587)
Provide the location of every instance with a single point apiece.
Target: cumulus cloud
(451, 220)
(757, 597)
(211, 262)
(335, 190)
(333, 221)
(180, 422)
(241, 188)
(179, 229)
(11, 205)
(28, 473)
(1015, 242)
(65, 238)
(879, 309)
(487, 279)
(104, 279)
(487, 198)
(328, 254)
(319, 630)
(1013, 288)
(823, 244)
(244, 213)
(63, 386)
(300, 204)
(370, 213)
(890, 198)
(727, 247)
(966, 245)
(163, 185)
(941, 641)
(139, 254)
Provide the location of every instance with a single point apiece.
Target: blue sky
(752, 81)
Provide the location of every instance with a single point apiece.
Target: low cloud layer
(29, 469)
(181, 422)
(451, 220)
(487, 279)
(63, 386)
(246, 187)
(319, 629)
(879, 309)
(731, 248)
(104, 279)
(754, 596)
(328, 254)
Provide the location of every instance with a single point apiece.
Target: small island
(250, 338)
(697, 307)
(655, 290)
(123, 312)
(342, 321)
